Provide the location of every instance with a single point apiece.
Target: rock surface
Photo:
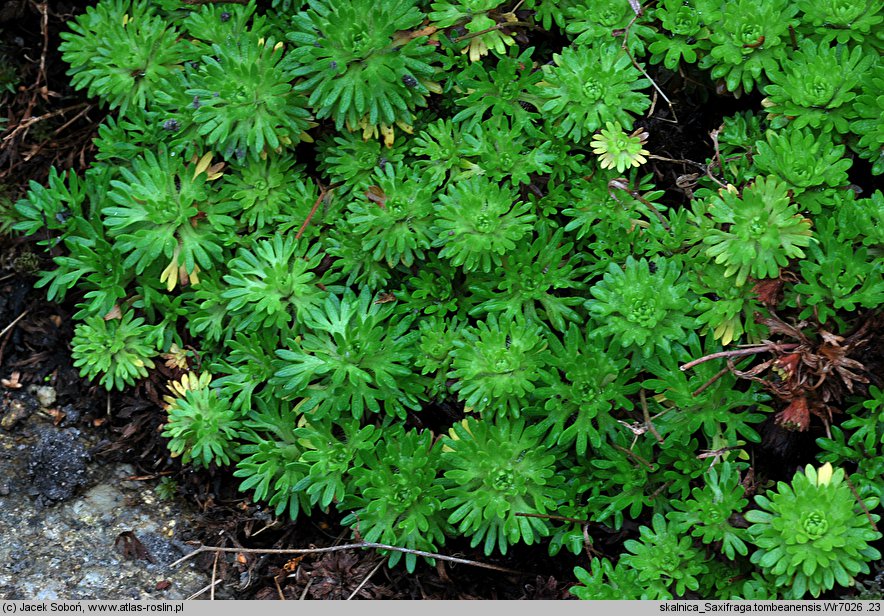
(72, 528)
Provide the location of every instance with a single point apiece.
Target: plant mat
(51, 125)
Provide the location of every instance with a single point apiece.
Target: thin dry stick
(706, 385)
(739, 352)
(8, 328)
(861, 503)
(587, 543)
(625, 48)
(707, 169)
(79, 115)
(647, 416)
(716, 160)
(322, 193)
(306, 588)
(620, 184)
(716, 453)
(365, 580)
(26, 122)
(11, 325)
(684, 161)
(491, 29)
(549, 516)
(348, 546)
(214, 576)
(634, 456)
(660, 489)
(44, 28)
(202, 590)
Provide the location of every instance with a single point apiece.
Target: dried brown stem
(349, 546)
(199, 2)
(27, 122)
(322, 193)
(861, 503)
(706, 385)
(625, 48)
(739, 352)
(634, 456)
(202, 590)
(647, 416)
(620, 184)
(16, 320)
(549, 516)
(365, 580)
(492, 29)
(214, 576)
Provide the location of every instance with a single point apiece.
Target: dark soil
(35, 351)
(57, 466)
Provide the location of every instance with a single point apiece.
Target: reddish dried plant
(816, 371)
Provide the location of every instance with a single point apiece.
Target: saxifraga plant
(495, 471)
(270, 464)
(242, 99)
(508, 89)
(666, 562)
(812, 533)
(868, 125)
(593, 382)
(498, 364)
(272, 283)
(353, 298)
(590, 85)
(360, 66)
(641, 310)
(618, 150)
(473, 17)
(841, 21)
(333, 451)
(860, 440)
(394, 217)
(477, 222)
(398, 496)
(749, 40)
(803, 158)
(348, 362)
(114, 349)
(708, 513)
(164, 209)
(202, 426)
(757, 232)
(123, 53)
(541, 281)
(599, 20)
(685, 34)
(816, 88)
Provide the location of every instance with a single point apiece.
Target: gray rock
(61, 515)
(57, 465)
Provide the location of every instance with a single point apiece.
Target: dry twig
(764, 348)
(365, 579)
(647, 416)
(7, 329)
(323, 192)
(625, 48)
(349, 546)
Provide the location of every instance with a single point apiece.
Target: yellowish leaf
(824, 474)
(203, 164)
(169, 277)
